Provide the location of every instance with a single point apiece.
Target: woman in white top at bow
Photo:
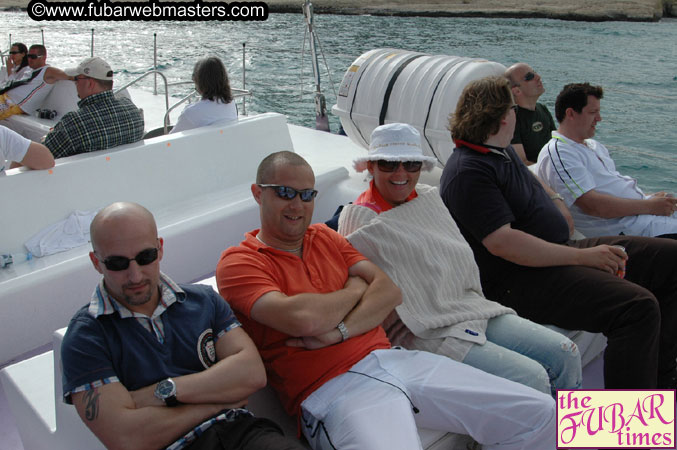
(217, 105)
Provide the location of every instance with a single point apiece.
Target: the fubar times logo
(616, 418)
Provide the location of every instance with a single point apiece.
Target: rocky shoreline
(582, 10)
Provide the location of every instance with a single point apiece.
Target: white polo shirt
(572, 169)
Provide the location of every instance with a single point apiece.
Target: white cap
(93, 67)
(395, 142)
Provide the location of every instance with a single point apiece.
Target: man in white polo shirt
(603, 202)
(16, 148)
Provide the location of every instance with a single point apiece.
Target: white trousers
(372, 406)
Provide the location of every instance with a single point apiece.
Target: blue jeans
(523, 351)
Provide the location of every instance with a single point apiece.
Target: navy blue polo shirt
(484, 191)
(106, 343)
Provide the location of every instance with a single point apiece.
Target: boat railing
(141, 77)
(237, 93)
(177, 104)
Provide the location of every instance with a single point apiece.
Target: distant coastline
(582, 10)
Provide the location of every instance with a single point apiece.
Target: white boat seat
(63, 98)
(34, 392)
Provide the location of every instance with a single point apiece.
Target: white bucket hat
(395, 142)
(93, 67)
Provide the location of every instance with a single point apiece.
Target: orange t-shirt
(372, 199)
(252, 269)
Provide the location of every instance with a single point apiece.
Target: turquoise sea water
(635, 62)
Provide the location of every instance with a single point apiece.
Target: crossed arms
(366, 299)
(138, 420)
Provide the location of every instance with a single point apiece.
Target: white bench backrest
(63, 98)
(158, 173)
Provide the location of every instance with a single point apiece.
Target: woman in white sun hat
(407, 231)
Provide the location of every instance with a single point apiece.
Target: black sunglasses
(529, 76)
(391, 166)
(289, 193)
(14, 52)
(143, 258)
(32, 56)
(78, 78)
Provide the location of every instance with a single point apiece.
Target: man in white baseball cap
(103, 120)
(93, 67)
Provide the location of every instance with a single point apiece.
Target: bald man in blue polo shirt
(150, 364)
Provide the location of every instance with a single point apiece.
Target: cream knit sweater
(422, 250)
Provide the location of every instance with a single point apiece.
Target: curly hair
(211, 80)
(479, 111)
(575, 96)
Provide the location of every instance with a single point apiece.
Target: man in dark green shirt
(534, 121)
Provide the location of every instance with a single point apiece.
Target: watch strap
(171, 400)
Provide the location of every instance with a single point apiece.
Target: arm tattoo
(91, 402)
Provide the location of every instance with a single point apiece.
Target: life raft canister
(389, 85)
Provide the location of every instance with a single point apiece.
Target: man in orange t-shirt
(313, 305)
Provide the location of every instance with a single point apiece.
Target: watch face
(165, 388)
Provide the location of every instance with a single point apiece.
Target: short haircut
(105, 84)
(211, 80)
(266, 170)
(479, 111)
(575, 96)
(39, 47)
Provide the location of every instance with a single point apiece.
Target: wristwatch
(166, 391)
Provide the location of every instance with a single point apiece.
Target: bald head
(116, 215)
(525, 84)
(515, 72)
(127, 252)
(267, 167)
